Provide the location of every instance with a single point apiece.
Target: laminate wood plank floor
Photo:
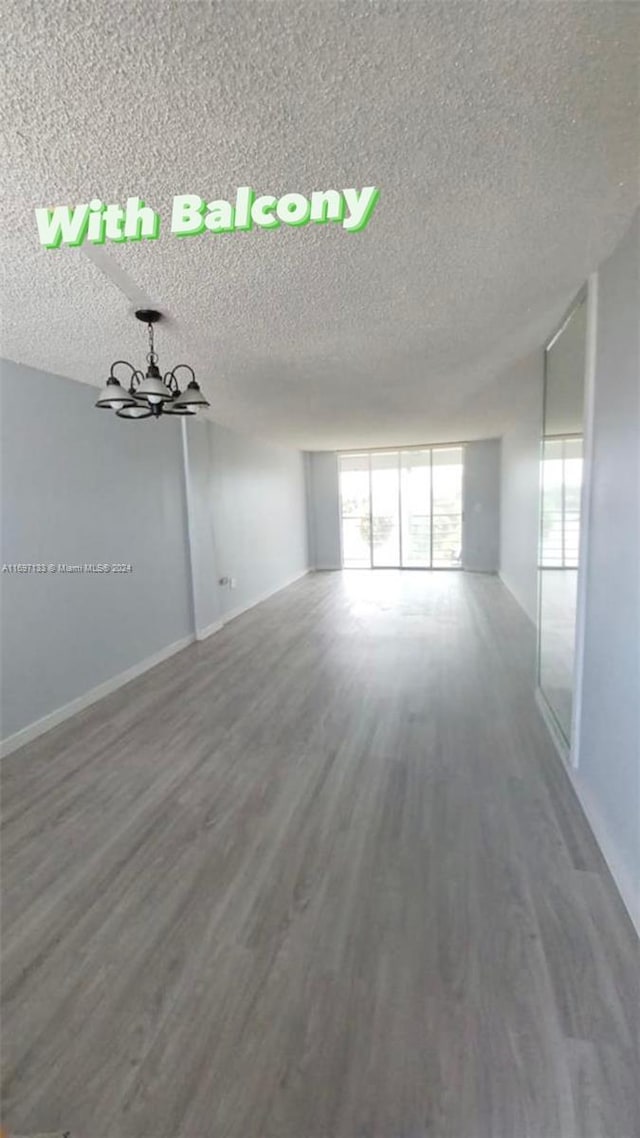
(319, 876)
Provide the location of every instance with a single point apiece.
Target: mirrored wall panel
(561, 490)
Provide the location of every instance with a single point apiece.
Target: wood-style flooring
(319, 876)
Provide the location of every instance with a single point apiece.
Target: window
(561, 489)
(402, 509)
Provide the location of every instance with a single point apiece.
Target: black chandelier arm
(171, 382)
(170, 376)
(132, 369)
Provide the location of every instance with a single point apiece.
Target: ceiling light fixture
(151, 394)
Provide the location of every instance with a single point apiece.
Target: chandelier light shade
(191, 398)
(134, 411)
(175, 408)
(150, 394)
(114, 397)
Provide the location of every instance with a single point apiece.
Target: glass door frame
(399, 450)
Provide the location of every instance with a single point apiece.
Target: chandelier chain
(152, 357)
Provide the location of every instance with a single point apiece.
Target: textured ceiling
(503, 137)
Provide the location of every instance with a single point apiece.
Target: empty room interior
(320, 723)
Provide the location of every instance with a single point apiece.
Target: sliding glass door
(385, 510)
(416, 509)
(446, 510)
(402, 509)
(355, 494)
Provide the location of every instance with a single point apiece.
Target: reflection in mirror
(561, 487)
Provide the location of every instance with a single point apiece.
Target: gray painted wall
(78, 486)
(608, 775)
(323, 497)
(259, 515)
(200, 513)
(481, 506)
(519, 493)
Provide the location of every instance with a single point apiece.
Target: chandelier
(150, 394)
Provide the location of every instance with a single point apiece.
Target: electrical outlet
(232, 582)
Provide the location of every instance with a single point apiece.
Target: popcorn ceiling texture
(503, 137)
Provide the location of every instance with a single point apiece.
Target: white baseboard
(238, 611)
(33, 730)
(560, 743)
(627, 887)
(517, 599)
(203, 633)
